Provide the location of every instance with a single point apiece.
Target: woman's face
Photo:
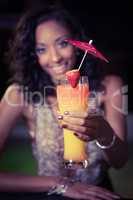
(54, 54)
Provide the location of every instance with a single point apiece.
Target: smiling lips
(60, 69)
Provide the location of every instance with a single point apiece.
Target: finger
(78, 129)
(74, 120)
(90, 123)
(85, 138)
(89, 135)
(82, 117)
(102, 193)
(74, 128)
(84, 114)
(77, 114)
(82, 195)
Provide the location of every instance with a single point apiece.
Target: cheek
(41, 60)
(70, 55)
(43, 63)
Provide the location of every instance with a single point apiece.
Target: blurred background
(109, 24)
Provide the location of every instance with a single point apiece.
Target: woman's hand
(83, 191)
(87, 126)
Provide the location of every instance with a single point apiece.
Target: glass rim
(82, 79)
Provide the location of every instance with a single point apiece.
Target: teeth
(60, 70)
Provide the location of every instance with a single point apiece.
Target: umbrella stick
(90, 42)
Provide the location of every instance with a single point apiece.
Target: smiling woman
(39, 57)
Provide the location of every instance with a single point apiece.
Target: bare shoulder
(11, 108)
(14, 102)
(12, 99)
(113, 96)
(115, 109)
(112, 82)
(13, 92)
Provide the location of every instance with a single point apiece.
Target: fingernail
(60, 117)
(66, 113)
(76, 134)
(64, 126)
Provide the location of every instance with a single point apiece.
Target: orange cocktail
(73, 99)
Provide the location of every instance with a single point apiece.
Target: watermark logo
(23, 97)
(118, 99)
(122, 106)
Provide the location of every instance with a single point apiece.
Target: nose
(55, 55)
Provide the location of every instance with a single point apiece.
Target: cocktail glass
(73, 99)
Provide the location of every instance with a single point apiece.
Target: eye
(63, 44)
(40, 50)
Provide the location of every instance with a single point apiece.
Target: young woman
(39, 57)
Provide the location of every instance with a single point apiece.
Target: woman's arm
(115, 116)
(14, 183)
(11, 108)
(89, 127)
(25, 183)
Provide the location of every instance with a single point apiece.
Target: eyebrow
(57, 40)
(63, 37)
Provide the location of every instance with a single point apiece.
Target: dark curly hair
(24, 68)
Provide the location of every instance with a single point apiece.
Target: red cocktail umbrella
(87, 47)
